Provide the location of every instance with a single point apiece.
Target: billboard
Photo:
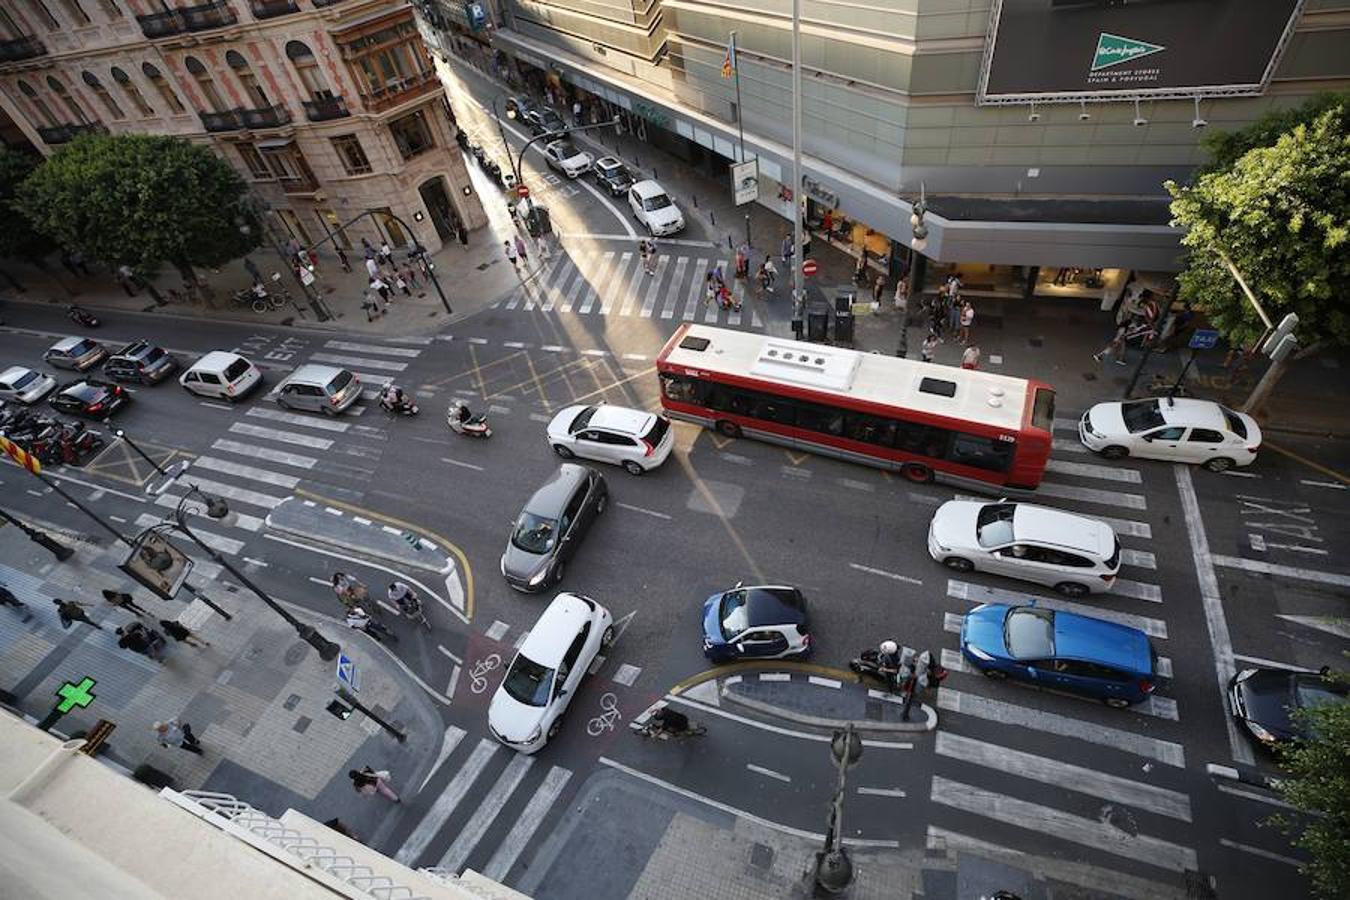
(1058, 51)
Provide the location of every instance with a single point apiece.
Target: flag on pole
(729, 62)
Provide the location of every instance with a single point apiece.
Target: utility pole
(798, 278)
(740, 110)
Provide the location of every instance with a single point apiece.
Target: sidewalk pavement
(255, 697)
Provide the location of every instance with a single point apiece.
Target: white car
(1181, 430)
(25, 385)
(527, 709)
(566, 158)
(653, 208)
(637, 440)
(1073, 554)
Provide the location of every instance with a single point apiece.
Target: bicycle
(609, 704)
(478, 674)
(410, 605)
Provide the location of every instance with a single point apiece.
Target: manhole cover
(761, 857)
(301, 724)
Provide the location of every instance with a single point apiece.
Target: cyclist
(408, 603)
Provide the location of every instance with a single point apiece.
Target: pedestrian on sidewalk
(136, 638)
(124, 601)
(181, 633)
(252, 269)
(522, 251)
(71, 611)
(742, 262)
(1115, 348)
(379, 286)
(372, 305)
(512, 256)
(369, 782)
(576, 112)
(7, 598)
(409, 275)
(350, 591)
(342, 259)
(386, 254)
(177, 734)
(463, 234)
(367, 249)
(902, 298)
(953, 311)
(967, 319)
(127, 279)
(372, 268)
(878, 289)
(929, 347)
(401, 284)
(970, 359)
(788, 251)
(768, 274)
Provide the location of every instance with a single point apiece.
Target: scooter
(464, 424)
(405, 407)
(82, 316)
(869, 664)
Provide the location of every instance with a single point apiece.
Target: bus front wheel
(728, 429)
(917, 473)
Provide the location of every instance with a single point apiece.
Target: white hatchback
(566, 158)
(637, 440)
(1073, 554)
(653, 207)
(25, 385)
(527, 709)
(1181, 430)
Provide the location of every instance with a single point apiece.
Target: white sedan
(527, 709)
(566, 158)
(25, 385)
(1180, 430)
(637, 440)
(653, 207)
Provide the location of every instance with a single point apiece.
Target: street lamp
(41, 538)
(217, 508)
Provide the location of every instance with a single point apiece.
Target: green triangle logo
(1112, 50)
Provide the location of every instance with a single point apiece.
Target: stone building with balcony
(330, 109)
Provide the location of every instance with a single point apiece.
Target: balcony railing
(205, 16)
(25, 47)
(162, 24)
(326, 108)
(320, 4)
(265, 117)
(61, 134)
(400, 91)
(270, 9)
(221, 121)
(299, 184)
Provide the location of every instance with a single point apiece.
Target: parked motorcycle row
(48, 439)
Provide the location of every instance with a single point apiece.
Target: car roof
(1096, 640)
(86, 387)
(621, 418)
(607, 162)
(1198, 413)
(1053, 526)
(552, 496)
(566, 142)
(648, 188)
(69, 343)
(772, 605)
(15, 372)
(136, 348)
(217, 359)
(313, 373)
(557, 626)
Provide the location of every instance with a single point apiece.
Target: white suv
(632, 438)
(653, 208)
(1073, 554)
(566, 158)
(527, 709)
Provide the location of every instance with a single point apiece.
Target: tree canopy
(142, 200)
(1280, 210)
(19, 239)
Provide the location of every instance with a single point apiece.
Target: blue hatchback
(1062, 651)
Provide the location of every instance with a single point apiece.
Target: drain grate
(761, 856)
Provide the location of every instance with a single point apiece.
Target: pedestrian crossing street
(613, 283)
(1111, 791)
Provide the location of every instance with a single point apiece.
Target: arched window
(39, 104)
(307, 67)
(76, 111)
(252, 89)
(162, 85)
(133, 93)
(207, 84)
(103, 96)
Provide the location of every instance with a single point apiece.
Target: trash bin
(843, 328)
(818, 323)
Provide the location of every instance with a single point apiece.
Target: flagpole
(740, 109)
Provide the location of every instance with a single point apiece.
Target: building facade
(891, 108)
(330, 109)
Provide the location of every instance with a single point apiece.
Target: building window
(76, 111)
(348, 147)
(77, 13)
(103, 96)
(110, 9)
(307, 67)
(165, 89)
(257, 167)
(412, 134)
(252, 89)
(44, 111)
(206, 83)
(133, 93)
(388, 58)
(45, 14)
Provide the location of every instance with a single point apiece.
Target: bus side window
(925, 440)
(981, 452)
(682, 389)
(869, 429)
(774, 409)
(820, 418)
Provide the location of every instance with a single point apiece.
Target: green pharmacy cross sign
(1112, 50)
(73, 695)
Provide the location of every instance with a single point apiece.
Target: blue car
(764, 622)
(1113, 663)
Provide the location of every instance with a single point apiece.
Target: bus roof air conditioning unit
(828, 368)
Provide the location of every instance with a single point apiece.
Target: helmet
(889, 647)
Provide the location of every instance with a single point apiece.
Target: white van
(221, 374)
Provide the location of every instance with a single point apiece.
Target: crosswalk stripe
(710, 315)
(629, 292)
(649, 302)
(515, 299)
(1139, 590)
(976, 593)
(1166, 752)
(323, 423)
(594, 278)
(509, 850)
(1140, 559)
(241, 521)
(738, 295)
(1087, 470)
(444, 805)
(219, 543)
(1065, 826)
(1162, 801)
(578, 275)
(1092, 495)
(1128, 527)
(351, 347)
(673, 289)
(1060, 445)
(250, 472)
(377, 381)
(358, 361)
(285, 437)
(612, 288)
(755, 320)
(550, 290)
(487, 811)
(255, 451)
(242, 495)
(1061, 423)
(696, 291)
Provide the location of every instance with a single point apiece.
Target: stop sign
(809, 267)
(522, 191)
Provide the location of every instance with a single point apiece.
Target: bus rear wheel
(917, 473)
(728, 429)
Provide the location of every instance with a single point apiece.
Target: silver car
(325, 389)
(78, 353)
(25, 385)
(548, 530)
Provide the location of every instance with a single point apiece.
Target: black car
(542, 119)
(91, 398)
(611, 174)
(141, 362)
(1263, 699)
(548, 530)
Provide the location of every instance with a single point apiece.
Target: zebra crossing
(1112, 789)
(613, 283)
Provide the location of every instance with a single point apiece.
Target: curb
(929, 724)
(327, 541)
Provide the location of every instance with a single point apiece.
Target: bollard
(694, 199)
(730, 245)
(712, 218)
(655, 176)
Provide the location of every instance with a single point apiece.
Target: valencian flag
(729, 62)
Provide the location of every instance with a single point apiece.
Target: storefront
(995, 280)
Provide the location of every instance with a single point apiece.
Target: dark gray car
(548, 530)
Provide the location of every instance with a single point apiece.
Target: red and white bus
(926, 421)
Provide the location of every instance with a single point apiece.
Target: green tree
(1318, 784)
(143, 200)
(19, 239)
(1280, 211)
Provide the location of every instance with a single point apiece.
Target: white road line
(594, 352)
(640, 357)
(527, 823)
(373, 348)
(250, 472)
(646, 512)
(255, 562)
(733, 811)
(775, 676)
(776, 729)
(285, 437)
(596, 271)
(1139, 590)
(951, 622)
(1265, 568)
(454, 681)
(653, 289)
(446, 651)
(1061, 445)
(371, 380)
(673, 290)
(217, 542)
(975, 593)
(1087, 470)
(696, 289)
(488, 808)
(1065, 826)
(350, 362)
(768, 773)
(553, 348)
(1128, 527)
(613, 286)
(514, 345)
(824, 682)
(1005, 760)
(1265, 854)
(464, 465)
(881, 792)
(854, 484)
(1274, 664)
(1253, 795)
(118, 519)
(1166, 752)
(1326, 484)
(882, 572)
(267, 453)
(230, 492)
(496, 630)
(320, 422)
(1140, 559)
(1092, 495)
(441, 810)
(479, 341)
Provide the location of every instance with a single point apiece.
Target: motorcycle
(407, 406)
(868, 664)
(465, 424)
(82, 316)
(667, 723)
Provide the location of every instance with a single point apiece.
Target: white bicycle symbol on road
(478, 674)
(605, 721)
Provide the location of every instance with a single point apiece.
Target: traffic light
(157, 564)
(1282, 341)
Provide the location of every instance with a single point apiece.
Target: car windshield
(235, 369)
(1029, 632)
(994, 524)
(534, 534)
(528, 682)
(1141, 415)
(659, 201)
(582, 420)
(734, 615)
(85, 391)
(339, 382)
(1317, 692)
(1235, 423)
(567, 150)
(25, 380)
(153, 355)
(82, 348)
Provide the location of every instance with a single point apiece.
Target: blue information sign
(476, 15)
(1204, 339)
(346, 672)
